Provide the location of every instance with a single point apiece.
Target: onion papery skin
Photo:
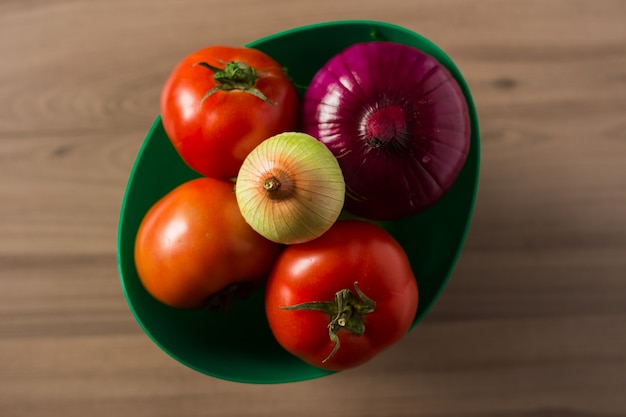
(310, 196)
(396, 120)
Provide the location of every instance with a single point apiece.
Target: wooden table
(533, 322)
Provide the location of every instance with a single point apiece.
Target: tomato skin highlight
(193, 243)
(351, 251)
(214, 134)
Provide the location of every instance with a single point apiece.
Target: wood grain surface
(533, 321)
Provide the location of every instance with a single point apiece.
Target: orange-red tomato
(220, 102)
(193, 243)
(354, 281)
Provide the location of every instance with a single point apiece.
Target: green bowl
(234, 347)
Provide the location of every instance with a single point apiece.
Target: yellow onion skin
(290, 188)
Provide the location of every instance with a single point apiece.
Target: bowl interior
(234, 346)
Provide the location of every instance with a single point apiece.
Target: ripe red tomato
(220, 102)
(352, 289)
(193, 245)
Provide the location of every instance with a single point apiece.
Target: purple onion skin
(396, 120)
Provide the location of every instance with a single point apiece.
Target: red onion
(397, 122)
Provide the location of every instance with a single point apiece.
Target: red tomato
(220, 102)
(354, 284)
(193, 245)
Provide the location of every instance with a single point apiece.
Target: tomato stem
(222, 301)
(235, 75)
(346, 312)
(298, 86)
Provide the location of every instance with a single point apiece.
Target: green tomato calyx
(235, 75)
(346, 312)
